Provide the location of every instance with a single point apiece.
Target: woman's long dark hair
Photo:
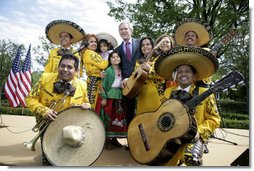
(110, 55)
(140, 44)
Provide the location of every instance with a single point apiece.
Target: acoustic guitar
(138, 77)
(149, 132)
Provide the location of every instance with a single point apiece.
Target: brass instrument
(43, 123)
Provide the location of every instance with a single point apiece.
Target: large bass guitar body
(149, 132)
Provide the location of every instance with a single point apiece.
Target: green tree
(156, 17)
(42, 50)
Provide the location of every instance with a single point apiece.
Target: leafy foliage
(42, 51)
(156, 17)
(229, 106)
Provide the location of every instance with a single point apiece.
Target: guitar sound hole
(166, 121)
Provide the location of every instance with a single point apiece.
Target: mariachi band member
(63, 33)
(190, 64)
(57, 87)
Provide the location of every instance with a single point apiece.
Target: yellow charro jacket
(151, 94)
(41, 96)
(206, 113)
(93, 63)
(54, 59)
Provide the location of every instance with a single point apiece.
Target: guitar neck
(150, 55)
(217, 47)
(224, 41)
(224, 83)
(198, 99)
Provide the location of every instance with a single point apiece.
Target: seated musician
(206, 117)
(53, 87)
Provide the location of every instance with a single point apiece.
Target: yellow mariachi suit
(54, 59)
(151, 94)
(42, 96)
(94, 64)
(207, 116)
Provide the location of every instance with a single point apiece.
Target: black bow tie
(181, 95)
(62, 52)
(64, 87)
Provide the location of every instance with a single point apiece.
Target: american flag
(24, 83)
(11, 84)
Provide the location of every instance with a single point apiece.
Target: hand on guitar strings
(145, 66)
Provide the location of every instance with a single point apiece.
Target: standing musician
(52, 87)
(63, 33)
(190, 65)
(154, 85)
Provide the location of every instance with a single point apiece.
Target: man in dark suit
(129, 53)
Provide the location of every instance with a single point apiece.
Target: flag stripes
(18, 83)
(24, 84)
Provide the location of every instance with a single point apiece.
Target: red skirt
(113, 116)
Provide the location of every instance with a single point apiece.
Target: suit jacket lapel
(134, 47)
(122, 51)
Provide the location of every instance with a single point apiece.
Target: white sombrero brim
(203, 61)
(108, 37)
(203, 31)
(56, 27)
(61, 154)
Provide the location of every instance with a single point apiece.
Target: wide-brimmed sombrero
(108, 37)
(68, 150)
(202, 29)
(56, 27)
(202, 60)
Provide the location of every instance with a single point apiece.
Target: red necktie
(128, 50)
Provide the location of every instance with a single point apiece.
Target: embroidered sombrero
(56, 27)
(75, 138)
(202, 60)
(108, 37)
(202, 29)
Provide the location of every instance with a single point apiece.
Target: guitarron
(149, 132)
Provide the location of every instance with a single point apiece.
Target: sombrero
(202, 29)
(108, 37)
(56, 27)
(75, 138)
(202, 60)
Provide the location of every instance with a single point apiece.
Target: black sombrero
(202, 29)
(202, 60)
(56, 27)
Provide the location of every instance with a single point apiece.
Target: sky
(24, 21)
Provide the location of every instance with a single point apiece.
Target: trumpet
(43, 123)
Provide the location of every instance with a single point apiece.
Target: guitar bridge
(143, 136)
